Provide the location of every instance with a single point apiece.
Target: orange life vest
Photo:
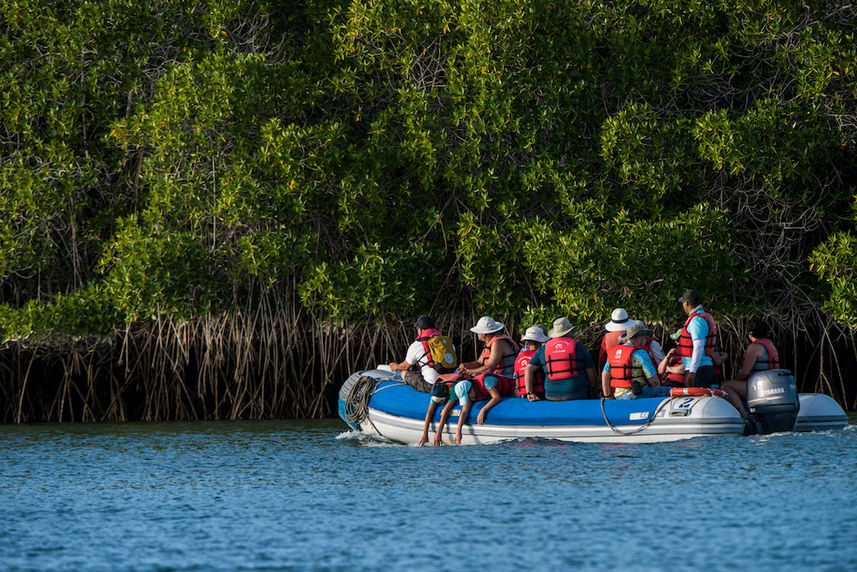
(621, 370)
(507, 362)
(773, 361)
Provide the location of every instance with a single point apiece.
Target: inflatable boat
(379, 403)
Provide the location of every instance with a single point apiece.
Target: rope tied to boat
(641, 427)
(356, 407)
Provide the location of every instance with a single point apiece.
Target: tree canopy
(380, 159)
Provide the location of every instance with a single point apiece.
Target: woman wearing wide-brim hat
(616, 327)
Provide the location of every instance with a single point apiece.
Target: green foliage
(537, 157)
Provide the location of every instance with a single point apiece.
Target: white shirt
(416, 354)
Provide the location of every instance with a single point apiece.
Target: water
(305, 495)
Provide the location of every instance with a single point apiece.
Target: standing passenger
(616, 327)
(696, 342)
(567, 366)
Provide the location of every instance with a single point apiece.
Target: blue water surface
(310, 495)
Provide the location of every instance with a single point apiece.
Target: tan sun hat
(486, 325)
(636, 329)
(561, 326)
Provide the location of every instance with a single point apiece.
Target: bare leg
(736, 391)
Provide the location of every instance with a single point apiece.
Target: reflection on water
(307, 494)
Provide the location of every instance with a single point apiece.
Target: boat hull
(395, 411)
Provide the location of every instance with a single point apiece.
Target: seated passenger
(761, 355)
(534, 337)
(629, 372)
(466, 391)
(497, 359)
(420, 370)
(616, 327)
(566, 365)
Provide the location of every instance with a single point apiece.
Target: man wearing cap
(629, 372)
(417, 370)
(567, 366)
(534, 337)
(696, 342)
(616, 327)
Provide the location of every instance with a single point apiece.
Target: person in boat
(567, 366)
(466, 392)
(670, 368)
(761, 355)
(629, 372)
(616, 327)
(696, 342)
(497, 359)
(532, 340)
(419, 370)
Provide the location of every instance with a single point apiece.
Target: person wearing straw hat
(533, 338)
(498, 355)
(629, 372)
(616, 327)
(567, 366)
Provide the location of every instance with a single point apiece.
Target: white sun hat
(534, 334)
(619, 321)
(486, 325)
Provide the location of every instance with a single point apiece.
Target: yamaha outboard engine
(772, 396)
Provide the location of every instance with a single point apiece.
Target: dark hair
(691, 296)
(758, 328)
(425, 322)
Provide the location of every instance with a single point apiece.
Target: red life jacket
(561, 359)
(507, 362)
(505, 386)
(521, 363)
(427, 359)
(621, 370)
(773, 361)
(676, 378)
(609, 340)
(684, 346)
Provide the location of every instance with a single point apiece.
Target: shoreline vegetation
(218, 209)
(274, 366)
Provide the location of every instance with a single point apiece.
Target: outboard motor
(772, 396)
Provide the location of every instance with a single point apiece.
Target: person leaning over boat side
(696, 342)
(616, 327)
(497, 359)
(533, 338)
(567, 366)
(417, 369)
(465, 392)
(629, 372)
(761, 355)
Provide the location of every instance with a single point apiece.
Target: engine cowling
(772, 395)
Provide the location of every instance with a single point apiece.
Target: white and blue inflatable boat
(377, 402)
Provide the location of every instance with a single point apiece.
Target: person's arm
(531, 371)
(657, 352)
(497, 351)
(447, 409)
(399, 366)
(495, 399)
(465, 411)
(591, 379)
(663, 365)
(649, 370)
(753, 353)
(605, 383)
(429, 414)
